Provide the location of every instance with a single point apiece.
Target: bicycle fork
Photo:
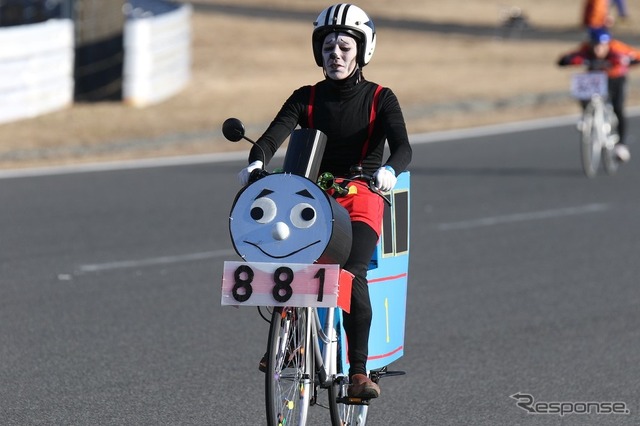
(307, 380)
(324, 338)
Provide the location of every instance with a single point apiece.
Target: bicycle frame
(325, 339)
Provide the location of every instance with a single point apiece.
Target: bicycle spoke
(286, 383)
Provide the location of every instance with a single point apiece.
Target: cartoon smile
(284, 255)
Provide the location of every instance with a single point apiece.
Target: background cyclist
(597, 13)
(602, 52)
(341, 106)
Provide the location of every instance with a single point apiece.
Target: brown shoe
(262, 365)
(362, 387)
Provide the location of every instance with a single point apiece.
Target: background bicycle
(598, 124)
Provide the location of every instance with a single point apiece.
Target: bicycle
(598, 125)
(303, 287)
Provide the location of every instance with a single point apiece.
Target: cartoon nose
(280, 231)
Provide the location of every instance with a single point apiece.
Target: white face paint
(339, 52)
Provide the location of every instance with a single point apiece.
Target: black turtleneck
(341, 110)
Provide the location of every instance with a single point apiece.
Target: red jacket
(618, 59)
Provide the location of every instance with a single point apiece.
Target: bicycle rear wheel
(590, 141)
(609, 157)
(288, 385)
(345, 411)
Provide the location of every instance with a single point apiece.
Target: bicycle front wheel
(288, 385)
(590, 141)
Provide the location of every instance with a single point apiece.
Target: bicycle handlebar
(326, 181)
(605, 64)
(257, 174)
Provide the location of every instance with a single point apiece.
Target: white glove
(243, 176)
(385, 178)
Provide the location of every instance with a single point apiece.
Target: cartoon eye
(303, 215)
(263, 210)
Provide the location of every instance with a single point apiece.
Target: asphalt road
(523, 280)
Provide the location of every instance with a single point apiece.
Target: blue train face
(281, 218)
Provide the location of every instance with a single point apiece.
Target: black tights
(617, 94)
(358, 322)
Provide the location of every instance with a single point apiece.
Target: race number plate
(585, 85)
(277, 284)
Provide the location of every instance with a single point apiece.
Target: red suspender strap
(312, 98)
(372, 119)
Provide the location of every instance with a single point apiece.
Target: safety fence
(37, 60)
(36, 69)
(157, 55)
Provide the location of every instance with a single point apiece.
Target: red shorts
(363, 204)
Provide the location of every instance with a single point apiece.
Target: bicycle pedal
(377, 375)
(350, 400)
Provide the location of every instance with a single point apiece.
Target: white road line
(502, 128)
(492, 130)
(522, 217)
(432, 137)
(123, 165)
(145, 163)
(162, 260)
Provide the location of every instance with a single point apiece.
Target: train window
(395, 225)
(401, 214)
(387, 232)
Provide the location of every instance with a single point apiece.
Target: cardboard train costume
(287, 219)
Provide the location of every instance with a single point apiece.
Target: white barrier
(36, 69)
(157, 59)
(36, 63)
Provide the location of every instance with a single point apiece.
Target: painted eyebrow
(305, 193)
(264, 193)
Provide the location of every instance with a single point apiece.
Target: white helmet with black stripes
(346, 18)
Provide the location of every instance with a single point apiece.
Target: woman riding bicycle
(357, 117)
(603, 53)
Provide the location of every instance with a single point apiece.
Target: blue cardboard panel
(388, 278)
